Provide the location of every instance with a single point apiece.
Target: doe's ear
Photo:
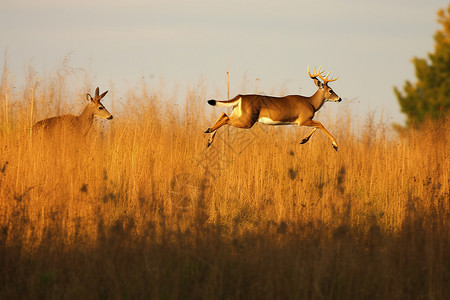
(89, 97)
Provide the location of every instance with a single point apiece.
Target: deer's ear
(89, 97)
(318, 83)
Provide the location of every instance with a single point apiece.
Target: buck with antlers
(292, 109)
(80, 124)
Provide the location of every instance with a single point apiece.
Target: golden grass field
(141, 209)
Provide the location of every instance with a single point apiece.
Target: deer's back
(287, 109)
(67, 125)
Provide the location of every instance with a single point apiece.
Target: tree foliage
(429, 97)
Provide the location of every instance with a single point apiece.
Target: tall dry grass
(142, 210)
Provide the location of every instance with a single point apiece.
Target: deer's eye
(100, 107)
(331, 92)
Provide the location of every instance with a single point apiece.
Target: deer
(80, 124)
(292, 109)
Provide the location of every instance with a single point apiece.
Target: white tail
(292, 109)
(80, 124)
(227, 103)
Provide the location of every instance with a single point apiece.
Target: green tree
(429, 97)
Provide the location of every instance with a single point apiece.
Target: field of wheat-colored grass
(141, 209)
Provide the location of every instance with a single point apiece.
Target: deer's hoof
(208, 130)
(304, 141)
(335, 147)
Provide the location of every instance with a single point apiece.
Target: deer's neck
(317, 100)
(85, 120)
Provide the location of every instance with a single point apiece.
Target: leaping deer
(80, 124)
(292, 109)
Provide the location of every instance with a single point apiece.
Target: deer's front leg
(318, 125)
(309, 135)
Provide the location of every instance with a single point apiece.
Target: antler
(326, 80)
(314, 71)
(319, 73)
(97, 97)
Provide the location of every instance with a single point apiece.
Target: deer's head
(96, 107)
(329, 94)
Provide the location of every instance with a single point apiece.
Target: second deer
(80, 124)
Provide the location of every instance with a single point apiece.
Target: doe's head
(97, 108)
(329, 94)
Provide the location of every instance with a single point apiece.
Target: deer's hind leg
(239, 122)
(241, 117)
(223, 119)
(244, 116)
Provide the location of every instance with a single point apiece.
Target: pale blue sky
(370, 44)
